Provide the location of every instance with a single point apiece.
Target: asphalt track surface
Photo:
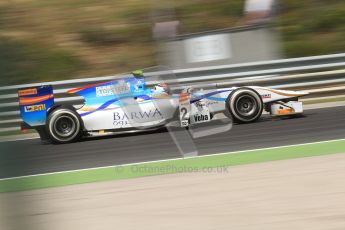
(28, 157)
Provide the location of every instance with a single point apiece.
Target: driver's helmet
(138, 73)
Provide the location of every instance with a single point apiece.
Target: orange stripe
(34, 100)
(285, 111)
(183, 97)
(86, 87)
(25, 92)
(284, 94)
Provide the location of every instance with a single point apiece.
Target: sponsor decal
(109, 90)
(265, 96)
(206, 103)
(201, 117)
(25, 92)
(122, 119)
(201, 104)
(184, 123)
(34, 108)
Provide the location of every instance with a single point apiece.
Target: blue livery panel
(34, 103)
(111, 94)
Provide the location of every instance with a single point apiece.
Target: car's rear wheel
(64, 125)
(245, 105)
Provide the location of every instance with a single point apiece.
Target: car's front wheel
(64, 125)
(245, 105)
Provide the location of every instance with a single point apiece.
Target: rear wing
(34, 102)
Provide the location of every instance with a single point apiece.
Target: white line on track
(171, 159)
(21, 139)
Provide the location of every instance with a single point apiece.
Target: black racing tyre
(64, 125)
(245, 105)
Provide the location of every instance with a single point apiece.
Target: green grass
(116, 36)
(168, 167)
(20, 61)
(312, 27)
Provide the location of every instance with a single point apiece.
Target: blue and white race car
(128, 104)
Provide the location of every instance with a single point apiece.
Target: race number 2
(184, 107)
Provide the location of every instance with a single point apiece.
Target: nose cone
(301, 93)
(289, 93)
(304, 93)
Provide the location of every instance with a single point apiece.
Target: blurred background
(48, 40)
(58, 39)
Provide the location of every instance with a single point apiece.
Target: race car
(128, 103)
